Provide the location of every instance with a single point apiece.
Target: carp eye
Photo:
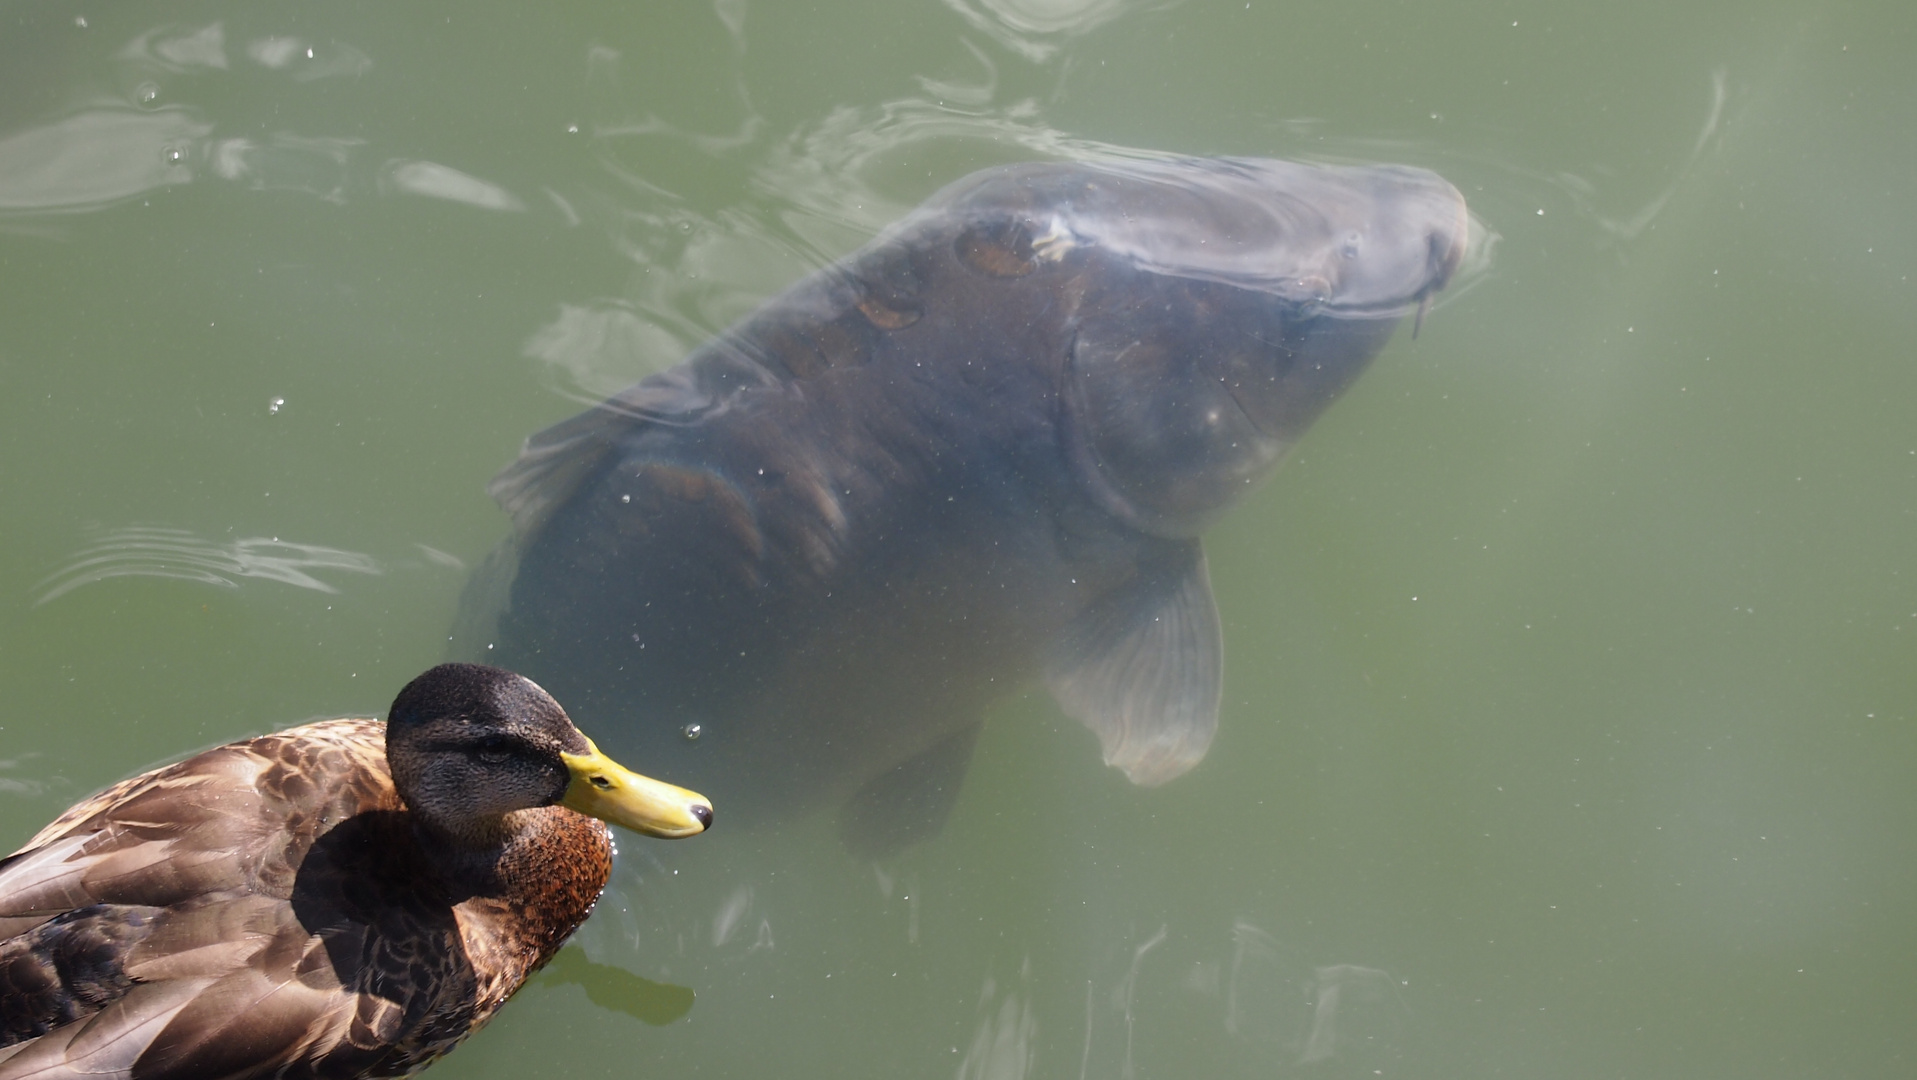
(999, 249)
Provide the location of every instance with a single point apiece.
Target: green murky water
(1569, 719)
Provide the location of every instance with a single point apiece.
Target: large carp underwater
(794, 570)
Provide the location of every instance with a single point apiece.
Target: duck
(343, 899)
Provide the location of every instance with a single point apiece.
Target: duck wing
(153, 930)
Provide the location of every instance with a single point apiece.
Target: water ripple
(801, 199)
(1037, 29)
(15, 785)
(146, 551)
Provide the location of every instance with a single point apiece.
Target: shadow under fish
(795, 569)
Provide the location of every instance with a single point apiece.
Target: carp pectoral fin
(1143, 669)
(908, 804)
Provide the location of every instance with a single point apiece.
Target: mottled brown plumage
(276, 907)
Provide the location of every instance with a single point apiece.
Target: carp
(795, 569)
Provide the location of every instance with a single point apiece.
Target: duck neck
(545, 866)
(475, 856)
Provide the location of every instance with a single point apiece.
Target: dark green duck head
(470, 744)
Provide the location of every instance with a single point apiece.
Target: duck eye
(494, 751)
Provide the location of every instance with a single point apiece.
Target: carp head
(1216, 307)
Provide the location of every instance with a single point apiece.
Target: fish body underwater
(794, 570)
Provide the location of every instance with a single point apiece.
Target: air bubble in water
(273, 406)
(173, 155)
(693, 731)
(147, 93)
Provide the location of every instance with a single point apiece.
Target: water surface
(1569, 693)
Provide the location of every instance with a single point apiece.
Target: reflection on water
(938, 977)
(1585, 195)
(286, 162)
(809, 195)
(1254, 956)
(306, 61)
(145, 551)
(171, 48)
(1124, 999)
(602, 347)
(1002, 1046)
(443, 182)
(98, 157)
(115, 150)
(175, 49)
(1345, 996)
(617, 989)
(19, 785)
(1037, 29)
(735, 914)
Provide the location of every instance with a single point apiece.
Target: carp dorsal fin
(550, 467)
(554, 462)
(1143, 669)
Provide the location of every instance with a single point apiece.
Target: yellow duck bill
(607, 790)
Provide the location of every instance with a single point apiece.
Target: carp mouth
(1446, 244)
